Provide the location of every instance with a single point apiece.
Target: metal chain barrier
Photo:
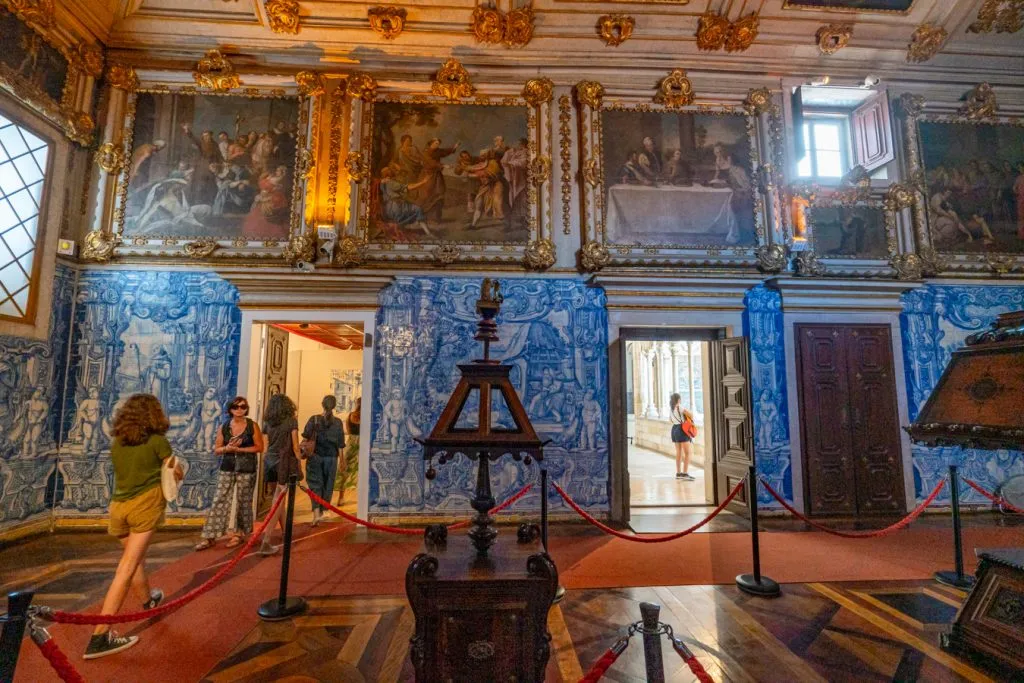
(46, 614)
(408, 532)
(998, 500)
(914, 514)
(647, 539)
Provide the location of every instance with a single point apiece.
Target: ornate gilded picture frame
(676, 183)
(208, 174)
(967, 166)
(451, 176)
(852, 232)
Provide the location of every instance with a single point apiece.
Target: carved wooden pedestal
(481, 619)
(990, 624)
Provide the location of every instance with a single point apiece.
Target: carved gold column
(111, 162)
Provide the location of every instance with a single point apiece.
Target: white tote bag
(168, 483)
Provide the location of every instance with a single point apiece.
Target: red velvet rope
(601, 665)
(403, 531)
(77, 618)
(998, 500)
(63, 667)
(696, 668)
(647, 539)
(915, 513)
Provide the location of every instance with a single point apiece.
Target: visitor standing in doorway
(680, 438)
(138, 452)
(351, 469)
(328, 436)
(238, 444)
(282, 461)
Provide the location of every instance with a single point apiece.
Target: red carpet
(184, 645)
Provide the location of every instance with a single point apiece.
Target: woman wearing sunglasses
(239, 443)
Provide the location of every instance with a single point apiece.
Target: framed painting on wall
(969, 215)
(208, 173)
(853, 232)
(451, 179)
(890, 6)
(670, 185)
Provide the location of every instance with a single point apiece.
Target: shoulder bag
(168, 483)
(307, 447)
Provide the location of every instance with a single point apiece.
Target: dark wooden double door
(850, 432)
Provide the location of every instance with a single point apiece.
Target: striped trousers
(217, 521)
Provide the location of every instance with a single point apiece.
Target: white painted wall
(310, 373)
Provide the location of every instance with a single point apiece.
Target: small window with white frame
(24, 166)
(837, 128)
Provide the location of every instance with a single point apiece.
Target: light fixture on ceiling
(870, 81)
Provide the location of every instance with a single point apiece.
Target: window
(23, 159)
(825, 142)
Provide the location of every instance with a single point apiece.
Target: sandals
(234, 542)
(204, 544)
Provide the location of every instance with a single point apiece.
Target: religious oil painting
(449, 172)
(677, 179)
(901, 6)
(849, 231)
(975, 176)
(29, 58)
(205, 166)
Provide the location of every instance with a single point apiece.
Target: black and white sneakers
(108, 643)
(685, 476)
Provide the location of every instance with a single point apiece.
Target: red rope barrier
(62, 666)
(647, 539)
(606, 660)
(914, 514)
(696, 668)
(77, 618)
(408, 532)
(998, 500)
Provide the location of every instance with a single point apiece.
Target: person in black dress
(282, 461)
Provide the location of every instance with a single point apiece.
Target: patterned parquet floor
(875, 631)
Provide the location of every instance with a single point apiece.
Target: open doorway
(309, 361)
(663, 472)
(692, 373)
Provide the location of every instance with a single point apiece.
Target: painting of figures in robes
(975, 176)
(204, 166)
(449, 172)
(29, 59)
(849, 231)
(677, 179)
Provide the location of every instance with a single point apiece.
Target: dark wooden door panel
(829, 480)
(876, 436)
(733, 445)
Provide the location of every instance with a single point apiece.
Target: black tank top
(243, 463)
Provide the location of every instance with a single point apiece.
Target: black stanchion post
(956, 578)
(755, 584)
(544, 507)
(560, 593)
(649, 613)
(14, 623)
(283, 606)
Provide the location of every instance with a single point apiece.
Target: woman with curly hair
(137, 506)
(282, 461)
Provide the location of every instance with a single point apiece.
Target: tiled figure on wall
(31, 380)
(171, 334)
(554, 334)
(936, 321)
(762, 325)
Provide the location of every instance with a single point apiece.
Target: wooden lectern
(977, 403)
(481, 605)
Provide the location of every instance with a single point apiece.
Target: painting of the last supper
(211, 166)
(677, 179)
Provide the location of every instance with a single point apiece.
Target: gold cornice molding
(215, 71)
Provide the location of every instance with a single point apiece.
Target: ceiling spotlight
(870, 81)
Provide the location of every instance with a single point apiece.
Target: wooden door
(829, 479)
(275, 364)
(848, 417)
(873, 420)
(733, 445)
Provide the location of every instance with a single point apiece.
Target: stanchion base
(765, 588)
(964, 582)
(559, 594)
(272, 610)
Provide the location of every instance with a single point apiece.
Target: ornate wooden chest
(481, 618)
